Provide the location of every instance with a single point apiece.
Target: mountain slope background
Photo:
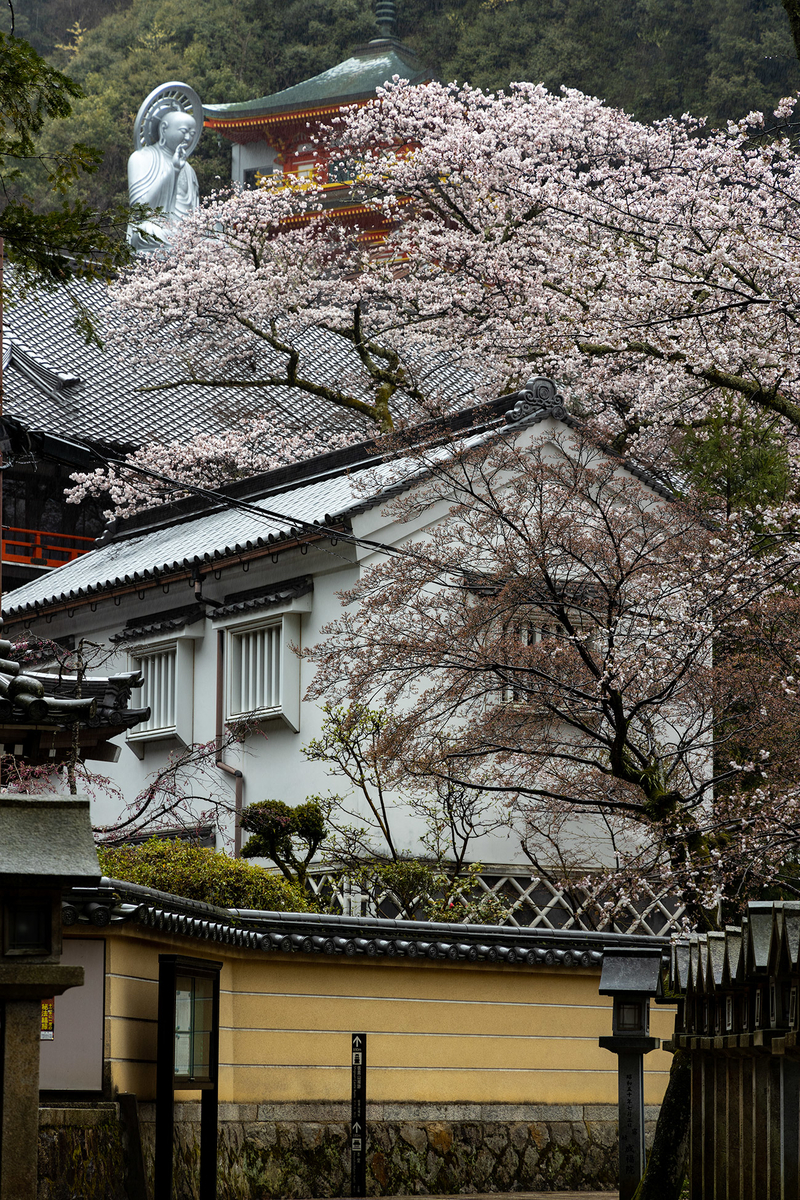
(714, 58)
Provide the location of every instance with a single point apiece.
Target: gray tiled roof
(323, 491)
(54, 381)
(350, 937)
(208, 536)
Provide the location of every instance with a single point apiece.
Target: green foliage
(70, 239)
(737, 460)
(226, 50)
(652, 57)
(280, 830)
(185, 869)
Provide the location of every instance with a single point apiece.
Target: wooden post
(735, 1065)
(774, 1127)
(721, 1145)
(165, 1082)
(790, 1127)
(170, 967)
(760, 1124)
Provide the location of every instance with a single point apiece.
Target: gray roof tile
(206, 537)
(54, 381)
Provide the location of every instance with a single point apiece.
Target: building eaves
(311, 501)
(356, 78)
(169, 621)
(256, 599)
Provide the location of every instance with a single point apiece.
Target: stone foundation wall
(302, 1150)
(81, 1154)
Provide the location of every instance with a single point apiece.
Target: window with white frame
(167, 669)
(263, 675)
(524, 633)
(158, 690)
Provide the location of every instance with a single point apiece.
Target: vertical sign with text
(631, 1123)
(358, 1117)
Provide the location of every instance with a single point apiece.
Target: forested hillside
(718, 58)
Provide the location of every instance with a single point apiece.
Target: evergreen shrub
(196, 873)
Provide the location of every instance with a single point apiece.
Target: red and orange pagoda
(280, 134)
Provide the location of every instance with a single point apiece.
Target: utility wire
(231, 502)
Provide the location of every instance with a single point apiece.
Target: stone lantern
(46, 844)
(630, 976)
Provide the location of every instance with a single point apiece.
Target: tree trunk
(666, 1166)
(793, 11)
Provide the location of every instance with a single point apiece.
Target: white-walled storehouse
(209, 599)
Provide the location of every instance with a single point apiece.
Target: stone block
(77, 1118)
(560, 1133)
(595, 1163)
(378, 1164)
(440, 1137)
(540, 1135)
(311, 1134)
(530, 1162)
(510, 1161)
(245, 1113)
(600, 1112)
(484, 1170)
(603, 1133)
(579, 1135)
(414, 1136)
(519, 1135)
(187, 1112)
(380, 1138)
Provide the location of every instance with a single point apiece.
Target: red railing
(37, 548)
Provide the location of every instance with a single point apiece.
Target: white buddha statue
(160, 177)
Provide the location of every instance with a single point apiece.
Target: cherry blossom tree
(618, 660)
(267, 289)
(619, 670)
(650, 267)
(159, 472)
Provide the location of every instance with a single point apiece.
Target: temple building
(68, 403)
(284, 134)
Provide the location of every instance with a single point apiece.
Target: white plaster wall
(273, 765)
(258, 156)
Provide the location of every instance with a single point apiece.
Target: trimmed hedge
(184, 869)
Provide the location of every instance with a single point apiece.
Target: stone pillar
(22, 989)
(22, 1020)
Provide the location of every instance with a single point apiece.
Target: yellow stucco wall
(439, 1031)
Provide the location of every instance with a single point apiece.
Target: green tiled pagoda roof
(354, 79)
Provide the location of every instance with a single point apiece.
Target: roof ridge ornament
(385, 17)
(48, 379)
(538, 394)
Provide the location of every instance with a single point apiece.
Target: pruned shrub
(197, 873)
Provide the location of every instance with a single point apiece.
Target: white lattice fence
(534, 902)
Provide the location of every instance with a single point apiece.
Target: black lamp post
(631, 977)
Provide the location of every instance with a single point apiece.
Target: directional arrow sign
(358, 1116)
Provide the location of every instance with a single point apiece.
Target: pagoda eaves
(350, 82)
